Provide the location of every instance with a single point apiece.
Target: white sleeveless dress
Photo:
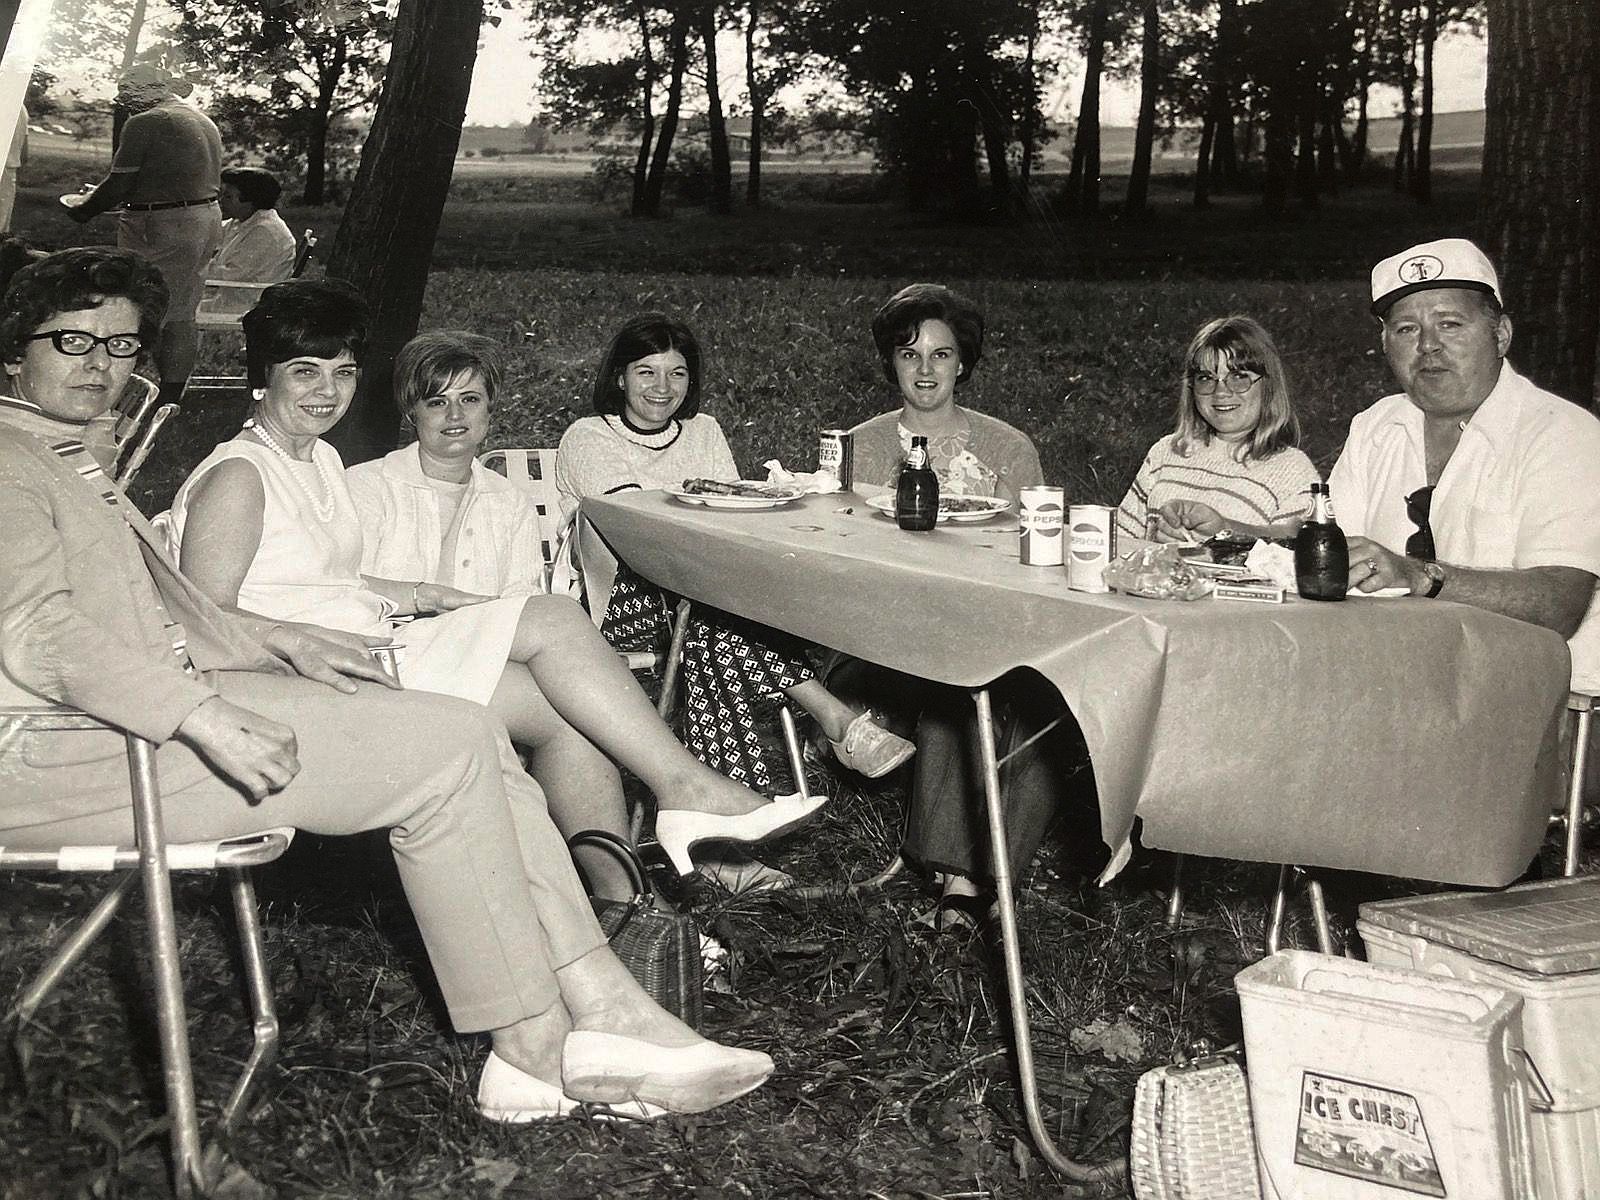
(309, 569)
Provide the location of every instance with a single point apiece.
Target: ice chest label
(1040, 518)
(1367, 1132)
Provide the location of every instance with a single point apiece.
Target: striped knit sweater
(1256, 492)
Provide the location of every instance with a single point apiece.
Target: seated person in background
(1471, 483)
(257, 725)
(1233, 465)
(257, 247)
(929, 339)
(266, 524)
(648, 432)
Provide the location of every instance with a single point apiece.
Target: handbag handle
(620, 850)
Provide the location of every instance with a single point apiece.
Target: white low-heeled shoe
(679, 829)
(513, 1097)
(611, 1068)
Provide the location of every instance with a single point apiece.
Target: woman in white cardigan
(432, 512)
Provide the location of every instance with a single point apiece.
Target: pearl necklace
(321, 508)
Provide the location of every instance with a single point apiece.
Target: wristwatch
(1435, 574)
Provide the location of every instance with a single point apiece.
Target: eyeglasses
(75, 343)
(1237, 382)
(1418, 506)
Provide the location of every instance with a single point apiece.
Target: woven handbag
(1191, 1135)
(660, 949)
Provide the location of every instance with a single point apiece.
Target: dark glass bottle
(916, 497)
(1321, 557)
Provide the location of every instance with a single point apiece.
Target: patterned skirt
(730, 665)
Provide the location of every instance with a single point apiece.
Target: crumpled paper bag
(818, 483)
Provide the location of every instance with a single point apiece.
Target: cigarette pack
(1261, 593)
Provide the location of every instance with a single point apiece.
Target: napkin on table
(818, 483)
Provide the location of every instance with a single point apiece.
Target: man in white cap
(165, 178)
(1471, 484)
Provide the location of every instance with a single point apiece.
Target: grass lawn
(895, 1078)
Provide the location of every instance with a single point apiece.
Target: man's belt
(162, 205)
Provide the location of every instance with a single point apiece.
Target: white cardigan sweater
(497, 552)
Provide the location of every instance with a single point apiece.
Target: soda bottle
(1321, 557)
(916, 497)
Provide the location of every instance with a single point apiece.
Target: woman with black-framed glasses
(1232, 466)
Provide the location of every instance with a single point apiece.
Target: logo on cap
(1421, 269)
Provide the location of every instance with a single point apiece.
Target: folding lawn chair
(150, 861)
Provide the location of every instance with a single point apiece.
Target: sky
(503, 84)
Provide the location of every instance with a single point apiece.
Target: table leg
(1112, 1172)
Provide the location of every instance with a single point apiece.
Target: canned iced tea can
(836, 454)
(1092, 544)
(1041, 512)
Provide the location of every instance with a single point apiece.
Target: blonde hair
(1239, 343)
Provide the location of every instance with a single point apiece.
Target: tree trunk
(1224, 147)
(1306, 91)
(321, 115)
(716, 124)
(1421, 179)
(656, 182)
(1279, 154)
(1405, 153)
(996, 138)
(130, 44)
(1541, 174)
(647, 123)
(758, 108)
(385, 241)
(1083, 181)
(1030, 81)
(1202, 163)
(1144, 138)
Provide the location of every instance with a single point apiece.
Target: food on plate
(969, 504)
(740, 487)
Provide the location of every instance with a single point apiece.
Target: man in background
(165, 177)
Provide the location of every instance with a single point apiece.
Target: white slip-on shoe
(611, 1068)
(680, 829)
(870, 749)
(513, 1097)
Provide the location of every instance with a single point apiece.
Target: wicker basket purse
(660, 949)
(1191, 1135)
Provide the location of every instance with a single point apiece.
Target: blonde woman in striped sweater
(1233, 465)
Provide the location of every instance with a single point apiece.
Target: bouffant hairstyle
(896, 324)
(70, 280)
(428, 363)
(652, 333)
(254, 185)
(1239, 344)
(303, 318)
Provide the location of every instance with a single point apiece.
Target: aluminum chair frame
(194, 1168)
(229, 322)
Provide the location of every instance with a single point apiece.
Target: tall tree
(716, 122)
(287, 70)
(1541, 175)
(385, 241)
(1144, 138)
(1083, 177)
(677, 64)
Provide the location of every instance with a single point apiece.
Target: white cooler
(1541, 941)
(1368, 1083)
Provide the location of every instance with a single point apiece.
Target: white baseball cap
(1446, 263)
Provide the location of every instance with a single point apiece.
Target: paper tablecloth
(1408, 737)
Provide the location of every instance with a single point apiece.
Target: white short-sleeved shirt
(1522, 489)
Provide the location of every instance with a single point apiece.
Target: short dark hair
(896, 324)
(652, 333)
(254, 185)
(314, 318)
(429, 361)
(69, 280)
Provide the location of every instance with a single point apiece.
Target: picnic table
(1398, 736)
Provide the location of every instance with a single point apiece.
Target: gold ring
(1372, 566)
